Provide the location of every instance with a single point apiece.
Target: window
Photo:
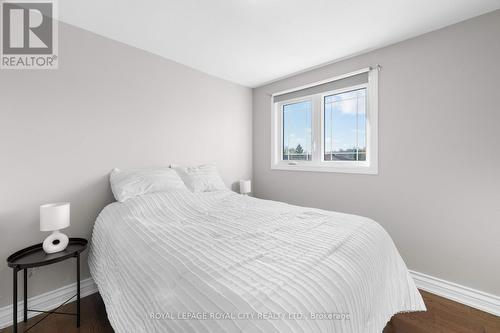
(327, 126)
(297, 139)
(344, 126)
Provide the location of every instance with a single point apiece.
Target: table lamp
(54, 217)
(245, 187)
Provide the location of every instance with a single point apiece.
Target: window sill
(367, 170)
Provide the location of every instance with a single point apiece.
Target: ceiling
(252, 42)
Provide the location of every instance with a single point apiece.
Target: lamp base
(55, 242)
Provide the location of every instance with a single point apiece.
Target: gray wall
(438, 188)
(109, 105)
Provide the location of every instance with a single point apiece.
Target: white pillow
(203, 178)
(130, 183)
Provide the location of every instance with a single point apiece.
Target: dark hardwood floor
(93, 320)
(443, 316)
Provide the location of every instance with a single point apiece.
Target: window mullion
(316, 129)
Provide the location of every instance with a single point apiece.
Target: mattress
(223, 262)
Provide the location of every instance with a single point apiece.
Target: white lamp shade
(54, 216)
(245, 186)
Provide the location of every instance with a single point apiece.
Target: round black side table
(35, 256)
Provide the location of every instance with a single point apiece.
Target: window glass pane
(297, 138)
(345, 126)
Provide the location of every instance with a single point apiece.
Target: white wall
(108, 105)
(438, 188)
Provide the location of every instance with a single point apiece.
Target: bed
(223, 262)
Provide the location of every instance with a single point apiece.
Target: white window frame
(370, 166)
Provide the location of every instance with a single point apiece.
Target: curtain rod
(331, 79)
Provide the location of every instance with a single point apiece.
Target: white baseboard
(465, 295)
(458, 293)
(46, 301)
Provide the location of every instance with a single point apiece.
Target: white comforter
(222, 262)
